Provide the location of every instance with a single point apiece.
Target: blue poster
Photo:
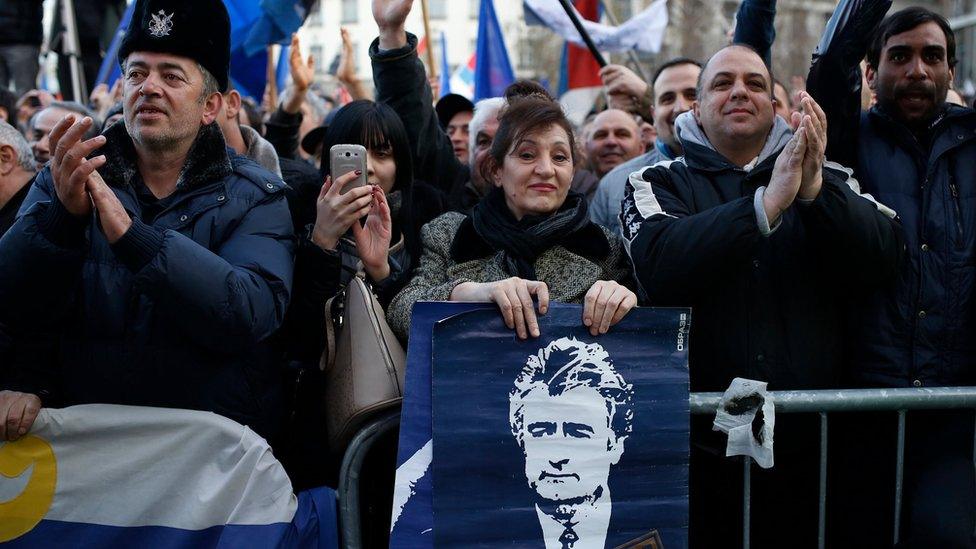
(566, 440)
(413, 516)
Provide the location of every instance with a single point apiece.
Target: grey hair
(484, 110)
(10, 136)
(210, 84)
(565, 364)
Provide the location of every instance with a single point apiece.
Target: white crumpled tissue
(736, 412)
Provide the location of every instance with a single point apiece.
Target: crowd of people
(173, 243)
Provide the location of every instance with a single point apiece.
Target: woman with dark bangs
(386, 244)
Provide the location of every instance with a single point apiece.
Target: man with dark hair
(454, 113)
(744, 228)
(158, 278)
(917, 154)
(40, 125)
(673, 89)
(8, 107)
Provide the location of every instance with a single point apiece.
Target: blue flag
(283, 68)
(445, 68)
(110, 71)
(279, 18)
(493, 72)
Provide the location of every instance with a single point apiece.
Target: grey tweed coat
(568, 276)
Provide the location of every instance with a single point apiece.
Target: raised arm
(834, 80)
(401, 83)
(754, 27)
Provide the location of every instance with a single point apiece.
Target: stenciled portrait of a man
(571, 412)
(563, 442)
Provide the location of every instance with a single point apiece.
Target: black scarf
(492, 228)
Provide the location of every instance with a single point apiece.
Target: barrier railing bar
(854, 400)
(746, 499)
(899, 472)
(822, 517)
(823, 402)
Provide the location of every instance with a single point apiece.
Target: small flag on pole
(493, 72)
(445, 68)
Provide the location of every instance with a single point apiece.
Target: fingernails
(359, 172)
(22, 431)
(587, 321)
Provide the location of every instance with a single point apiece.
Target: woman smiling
(530, 237)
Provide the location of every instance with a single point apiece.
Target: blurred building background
(696, 28)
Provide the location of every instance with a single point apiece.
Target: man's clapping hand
(70, 167)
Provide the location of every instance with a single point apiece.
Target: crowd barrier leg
(350, 529)
(899, 473)
(746, 499)
(822, 517)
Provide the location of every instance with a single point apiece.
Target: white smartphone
(348, 158)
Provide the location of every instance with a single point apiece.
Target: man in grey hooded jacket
(762, 237)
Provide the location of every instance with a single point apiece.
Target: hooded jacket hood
(260, 150)
(689, 131)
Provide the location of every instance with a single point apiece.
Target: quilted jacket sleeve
(40, 259)
(236, 295)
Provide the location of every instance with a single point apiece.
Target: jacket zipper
(954, 191)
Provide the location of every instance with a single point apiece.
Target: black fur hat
(198, 29)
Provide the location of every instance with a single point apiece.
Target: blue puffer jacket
(179, 318)
(922, 331)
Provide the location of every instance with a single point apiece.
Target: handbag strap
(329, 356)
(327, 361)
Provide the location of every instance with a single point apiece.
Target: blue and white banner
(121, 476)
(565, 440)
(642, 32)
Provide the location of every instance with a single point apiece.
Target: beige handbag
(364, 363)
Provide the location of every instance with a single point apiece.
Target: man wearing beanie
(150, 263)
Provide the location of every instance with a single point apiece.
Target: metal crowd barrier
(350, 529)
(850, 400)
(786, 402)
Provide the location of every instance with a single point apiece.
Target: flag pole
(612, 17)
(72, 51)
(431, 67)
(583, 34)
(272, 76)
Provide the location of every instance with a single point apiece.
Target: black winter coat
(763, 307)
(21, 22)
(921, 330)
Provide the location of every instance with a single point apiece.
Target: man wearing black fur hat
(156, 279)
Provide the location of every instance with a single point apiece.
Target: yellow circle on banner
(22, 513)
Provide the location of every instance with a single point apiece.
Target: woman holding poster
(530, 238)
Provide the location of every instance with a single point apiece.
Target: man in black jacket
(916, 153)
(763, 239)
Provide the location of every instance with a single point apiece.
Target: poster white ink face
(563, 441)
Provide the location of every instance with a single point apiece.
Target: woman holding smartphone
(369, 217)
